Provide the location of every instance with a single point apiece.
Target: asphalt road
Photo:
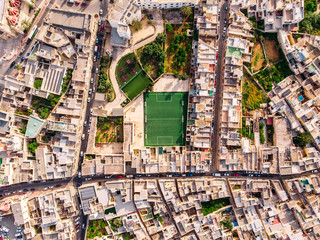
(224, 15)
(28, 44)
(88, 113)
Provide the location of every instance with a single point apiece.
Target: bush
(169, 27)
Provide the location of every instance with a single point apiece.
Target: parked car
(101, 11)
(81, 153)
(99, 22)
(22, 51)
(12, 64)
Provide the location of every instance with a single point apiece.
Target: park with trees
(178, 48)
(109, 129)
(311, 22)
(152, 56)
(97, 228)
(104, 84)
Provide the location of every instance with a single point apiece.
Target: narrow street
(224, 16)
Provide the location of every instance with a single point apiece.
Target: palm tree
(186, 10)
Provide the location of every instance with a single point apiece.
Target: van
(96, 49)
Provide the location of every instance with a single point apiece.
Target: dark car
(12, 64)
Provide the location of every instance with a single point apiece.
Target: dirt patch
(145, 31)
(257, 57)
(271, 49)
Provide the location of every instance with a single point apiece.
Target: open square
(165, 117)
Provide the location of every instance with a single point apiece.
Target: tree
(32, 146)
(302, 139)
(309, 6)
(136, 25)
(161, 38)
(186, 10)
(150, 87)
(169, 27)
(117, 223)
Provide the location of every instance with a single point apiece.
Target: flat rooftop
(71, 20)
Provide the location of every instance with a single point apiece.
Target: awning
(13, 11)
(14, 3)
(12, 20)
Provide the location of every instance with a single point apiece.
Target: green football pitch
(165, 118)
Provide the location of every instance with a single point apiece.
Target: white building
(122, 14)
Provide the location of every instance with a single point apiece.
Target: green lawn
(214, 205)
(136, 85)
(122, 63)
(165, 118)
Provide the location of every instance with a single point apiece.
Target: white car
(89, 100)
(99, 23)
(81, 153)
(100, 12)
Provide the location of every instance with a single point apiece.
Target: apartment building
(202, 84)
(273, 15)
(165, 4)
